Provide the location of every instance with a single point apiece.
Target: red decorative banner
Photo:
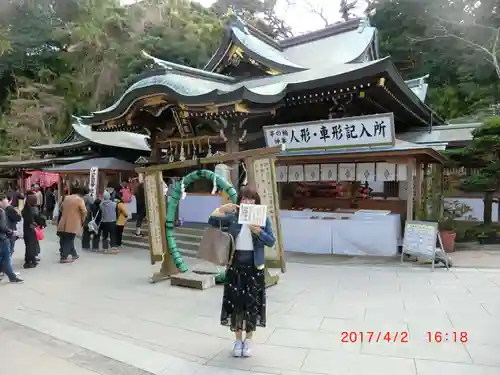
(40, 178)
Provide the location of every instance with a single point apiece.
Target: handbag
(216, 247)
(92, 225)
(39, 233)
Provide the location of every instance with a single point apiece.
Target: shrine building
(342, 111)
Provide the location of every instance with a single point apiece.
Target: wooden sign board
(420, 239)
(263, 176)
(155, 204)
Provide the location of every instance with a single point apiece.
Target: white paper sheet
(252, 214)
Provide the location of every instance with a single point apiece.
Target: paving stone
(434, 367)
(101, 315)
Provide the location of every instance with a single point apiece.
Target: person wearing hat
(108, 224)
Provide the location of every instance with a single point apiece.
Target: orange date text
(350, 337)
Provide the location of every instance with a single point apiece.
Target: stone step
(179, 236)
(186, 248)
(186, 230)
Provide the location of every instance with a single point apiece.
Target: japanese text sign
(93, 180)
(347, 132)
(252, 214)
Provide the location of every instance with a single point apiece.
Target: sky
(300, 15)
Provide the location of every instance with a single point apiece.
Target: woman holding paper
(244, 300)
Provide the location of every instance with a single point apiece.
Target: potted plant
(452, 211)
(488, 236)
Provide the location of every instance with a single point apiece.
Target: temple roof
(184, 87)
(131, 141)
(400, 147)
(82, 136)
(419, 86)
(37, 163)
(446, 134)
(104, 164)
(348, 39)
(339, 57)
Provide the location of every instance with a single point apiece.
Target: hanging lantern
(223, 171)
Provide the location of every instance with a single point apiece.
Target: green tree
(460, 82)
(259, 13)
(483, 156)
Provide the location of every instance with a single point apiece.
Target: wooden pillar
(232, 146)
(411, 188)
(261, 174)
(417, 211)
(156, 213)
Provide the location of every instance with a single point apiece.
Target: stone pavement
(103, 306)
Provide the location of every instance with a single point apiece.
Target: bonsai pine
(482, 156)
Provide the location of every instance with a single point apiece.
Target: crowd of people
(244, 298)
(99, 221)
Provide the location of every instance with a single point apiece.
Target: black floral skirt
(244, 300)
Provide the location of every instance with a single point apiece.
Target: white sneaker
(247, 349)
(238, 348)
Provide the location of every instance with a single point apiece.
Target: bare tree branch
(320, 13)
(491, 53)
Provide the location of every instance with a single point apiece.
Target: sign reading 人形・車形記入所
(347, 132)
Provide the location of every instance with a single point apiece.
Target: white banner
(328, 172)
(402, 172)
(365, 172)
(347, 172)
(282, 173)
(386, 172)
(295, 173)
(93, 181)
(348, 132)
(311, 172)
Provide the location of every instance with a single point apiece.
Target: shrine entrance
(162, 215)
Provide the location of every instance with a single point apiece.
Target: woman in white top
(244, 300)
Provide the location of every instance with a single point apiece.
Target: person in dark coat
(140, 200)
(87, 234)
(50, 204)
(31, 219)
(13, 217)
(5, 233)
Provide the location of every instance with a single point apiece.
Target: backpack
(93, 226)
(126, 195)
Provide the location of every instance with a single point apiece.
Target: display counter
(347, 233)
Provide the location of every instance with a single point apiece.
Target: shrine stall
(347, 185)
(110, 172)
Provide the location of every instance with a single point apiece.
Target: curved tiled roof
(194, 90)
(339, 43)
(132, 141)
(341, 48)
(256, 45)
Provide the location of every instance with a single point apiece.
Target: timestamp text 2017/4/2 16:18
(402, 337)
(374, 337)
(453, 336)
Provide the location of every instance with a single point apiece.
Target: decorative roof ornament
(364, 21)
(78, 120)
(141, 160)
(237, 22)
(155, 60)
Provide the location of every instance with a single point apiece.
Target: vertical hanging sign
(155, 205)
(93, 181)
(264, 176)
